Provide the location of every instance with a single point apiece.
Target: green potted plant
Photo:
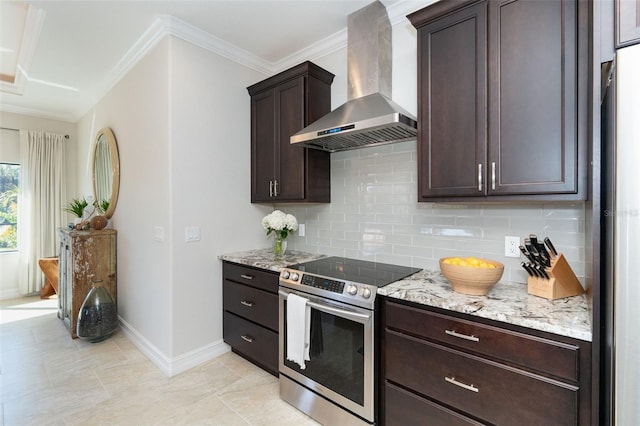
(76, 207)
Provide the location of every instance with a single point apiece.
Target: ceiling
(67, 54)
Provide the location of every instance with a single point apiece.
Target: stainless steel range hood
(369, 117)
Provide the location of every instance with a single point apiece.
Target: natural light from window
(22, 309)
(9, 183)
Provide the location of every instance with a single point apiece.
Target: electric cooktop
(358, 271)
(342, 279)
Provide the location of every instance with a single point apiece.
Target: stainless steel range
(336, 384)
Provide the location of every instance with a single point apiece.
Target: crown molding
(319, 49)
(169, 25)
(37, 113)
(205, 40)
(32, 28)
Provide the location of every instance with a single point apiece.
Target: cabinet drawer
(405, 408)
(250, 303)
(258, 278)
(249, 339)
(543, 355)
(484, 389)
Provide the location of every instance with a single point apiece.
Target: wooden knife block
(562, 281)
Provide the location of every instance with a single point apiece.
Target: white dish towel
(298, 329)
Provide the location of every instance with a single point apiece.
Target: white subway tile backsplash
(374, 215)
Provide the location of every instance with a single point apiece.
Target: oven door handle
(330, 309)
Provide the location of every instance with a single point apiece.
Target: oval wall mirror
(106, 171)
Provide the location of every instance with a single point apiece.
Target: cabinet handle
(250, 339)
(493, 175)
(246, 277)
(480, 177)
(270, 188)
(246, 303)
(462, 336)
(453, 381)
(275, 188)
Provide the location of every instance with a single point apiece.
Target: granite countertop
(507, 303)
(265, 259)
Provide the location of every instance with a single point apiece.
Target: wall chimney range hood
(369, 117)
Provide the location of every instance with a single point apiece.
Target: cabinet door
(290, 159)
(263, 146)
(533, 87)
(452, 111)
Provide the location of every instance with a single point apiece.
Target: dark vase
(98, 315)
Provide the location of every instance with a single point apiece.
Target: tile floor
(46, 378)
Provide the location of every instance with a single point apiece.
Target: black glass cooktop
(358, 271)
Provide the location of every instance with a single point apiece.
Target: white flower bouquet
(280, 224)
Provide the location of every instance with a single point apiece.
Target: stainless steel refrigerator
(621, 242)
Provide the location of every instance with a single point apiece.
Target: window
(9, 183)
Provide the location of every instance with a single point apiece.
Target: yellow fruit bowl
(471, 275)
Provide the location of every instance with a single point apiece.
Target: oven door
(341, 367)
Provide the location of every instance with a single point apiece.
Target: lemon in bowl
(471, 275)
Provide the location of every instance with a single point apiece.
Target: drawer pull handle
(247, 338)
(246, 303)
(246, 277)
(453, 381)
(462, 336)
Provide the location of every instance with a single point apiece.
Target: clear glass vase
(98, 317)
(279, 246)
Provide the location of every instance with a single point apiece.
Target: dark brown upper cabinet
(281, 106)
(502, 88)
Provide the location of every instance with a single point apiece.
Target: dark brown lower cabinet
(442, 369)
(250, 318)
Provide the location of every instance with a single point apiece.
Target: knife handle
(535, 271)
(553, 250)
(526, 268)
(526, 253)
(542, 271)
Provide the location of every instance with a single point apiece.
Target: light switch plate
(192, 234)
(158, 233)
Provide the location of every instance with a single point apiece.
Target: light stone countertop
(265, 259)
(507, 303)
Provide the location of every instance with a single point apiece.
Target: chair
(49, 267)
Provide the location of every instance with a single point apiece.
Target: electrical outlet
(512, 246)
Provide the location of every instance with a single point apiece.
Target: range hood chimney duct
(369, 117)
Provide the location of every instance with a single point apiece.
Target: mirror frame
(115, 168)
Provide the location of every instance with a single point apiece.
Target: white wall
(9, 261)
(137, 110)
(181, 120)
(210, 186)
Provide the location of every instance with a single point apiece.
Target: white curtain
(41, 200)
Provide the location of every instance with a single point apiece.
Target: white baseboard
(171, 367)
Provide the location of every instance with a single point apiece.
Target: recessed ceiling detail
(19, 35)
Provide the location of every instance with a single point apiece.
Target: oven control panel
(325, 286)
(322, 283)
